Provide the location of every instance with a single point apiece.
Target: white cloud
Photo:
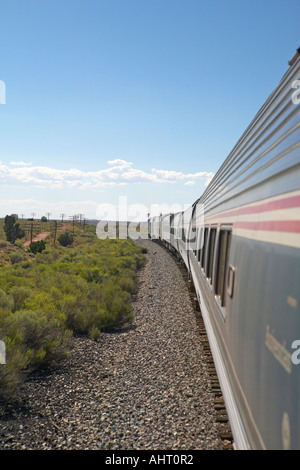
(119, 173)
(119, 161)
(21, 163)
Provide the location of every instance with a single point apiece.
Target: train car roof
(231, 164)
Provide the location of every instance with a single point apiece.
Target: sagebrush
(59, 292)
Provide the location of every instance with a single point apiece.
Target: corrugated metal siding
(269, 146)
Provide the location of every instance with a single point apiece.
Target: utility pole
(48, 215)
(73, 217)
(55, 230)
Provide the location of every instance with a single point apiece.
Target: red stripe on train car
(289, 226)
(286, 203)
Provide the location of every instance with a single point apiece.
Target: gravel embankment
(143, 388)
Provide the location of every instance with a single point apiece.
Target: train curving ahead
(240, 242)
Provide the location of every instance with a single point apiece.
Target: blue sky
(134, 99)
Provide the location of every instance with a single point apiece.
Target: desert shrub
(37, 300)
(126, 283)
(63, 267)
(48, 256)
(15, 257)
(95, 333)
(92, 275)
(37, 247)
(14, 371)
(6, 302)
(25, 264)
(32, 339)
(66, 239)
(74, 309)
(43, 336)
(84, 289)
(19, 295)
(116, 303)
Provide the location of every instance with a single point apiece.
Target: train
(240, 243)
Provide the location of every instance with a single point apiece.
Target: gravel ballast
(145, 387)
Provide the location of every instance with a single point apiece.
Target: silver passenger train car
(243, 256)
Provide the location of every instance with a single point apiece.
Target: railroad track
(219, 403)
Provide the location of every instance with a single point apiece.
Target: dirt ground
(40, 236)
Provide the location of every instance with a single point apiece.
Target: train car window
(199, 244)
(193, 238)
(194, 242)
(222, 264)
(172, 231)
(210, 253)
(203, 250)
(231, 275)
